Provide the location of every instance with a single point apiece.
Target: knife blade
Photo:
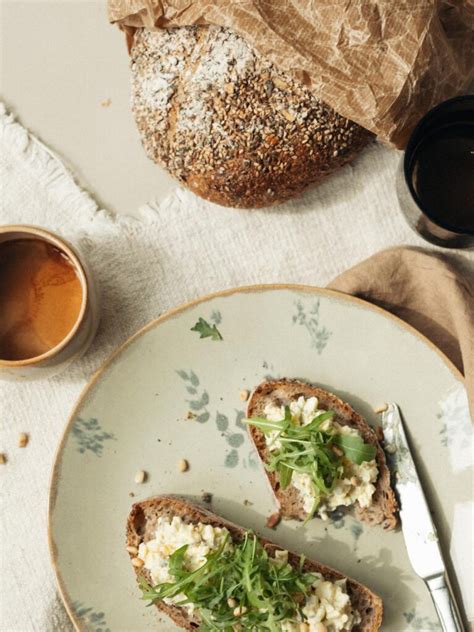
(419, 532)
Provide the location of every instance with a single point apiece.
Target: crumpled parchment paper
(381, 63)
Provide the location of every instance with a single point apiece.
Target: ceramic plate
(168, 394)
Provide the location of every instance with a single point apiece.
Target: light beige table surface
(62, 63)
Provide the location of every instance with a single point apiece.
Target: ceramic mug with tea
(49, 308)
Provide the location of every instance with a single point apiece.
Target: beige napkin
(427, 290)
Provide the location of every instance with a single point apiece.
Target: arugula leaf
(286, 475)
(354, 448)
(310, 450)
(176, 562)
(270, 591)
(206, 330)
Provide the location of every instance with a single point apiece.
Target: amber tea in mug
(41, 296)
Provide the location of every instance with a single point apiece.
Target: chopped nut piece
(232, 603)
(273, 520)
(3, 458)
(183, 465)
(137, 562)
(281, 556)
(133, 550)
(22, 440)
(380, 409)
(337, 450)
(240, 610)
(355, 481)
(140, 477)
(244, 395)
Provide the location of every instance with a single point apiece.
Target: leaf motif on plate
(235, 440)
(193, 378)
(203, 417)
(89, 435)
(455, 427)
(239, 417)
(357, 530)
(418, 623)
(94, 621)
(253, 459)
(310, 319)
(199, 404)
(216, 317)
(231, 459)
(222, 422)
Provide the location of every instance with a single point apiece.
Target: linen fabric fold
(427, 290)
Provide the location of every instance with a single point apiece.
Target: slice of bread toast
(141, 527)
(383, 509)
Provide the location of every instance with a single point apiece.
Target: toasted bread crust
(383, 509)
(141, 526)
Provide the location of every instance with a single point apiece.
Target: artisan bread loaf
(227, 124)
(384, 507)
(141, 526)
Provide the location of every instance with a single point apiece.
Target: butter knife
(418, 529)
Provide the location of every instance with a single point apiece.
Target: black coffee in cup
(438, 172)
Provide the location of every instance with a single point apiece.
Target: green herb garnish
(267, 591)
(311, 450)
(206, 330)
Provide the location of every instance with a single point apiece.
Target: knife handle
(445, 604)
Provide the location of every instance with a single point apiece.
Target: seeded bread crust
(228, 125)
(141, 525)
(383, 509)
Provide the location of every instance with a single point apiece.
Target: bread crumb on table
(380, 409)
(22, 440)
(183, 465)
(3, 458)
(106, 103)
(140, 477)
(273, 520)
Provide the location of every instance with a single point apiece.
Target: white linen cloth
(175, 251)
